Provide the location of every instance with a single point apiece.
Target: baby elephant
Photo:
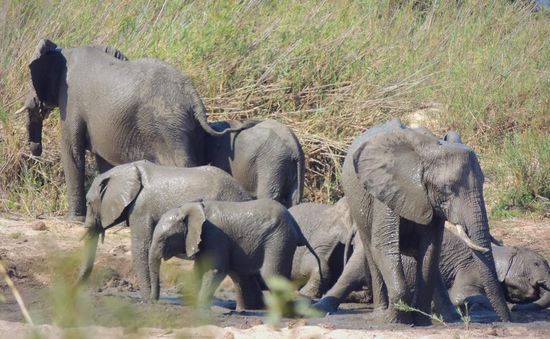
(267, 159)
(330, 230)
(239, 239)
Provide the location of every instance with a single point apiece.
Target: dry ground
(29, 255)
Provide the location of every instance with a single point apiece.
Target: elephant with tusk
(402, 185)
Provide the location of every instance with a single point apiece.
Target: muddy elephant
(120, 110)
(522, 273)
(239, 239)
(401, 186)
(330, 231)
(267, 159)
(138, 194)
(525, 275)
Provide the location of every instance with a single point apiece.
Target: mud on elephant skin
(267, 159)
(121, 110)
(239, 239)
(138, 194)
(402, 186)
(330, 231)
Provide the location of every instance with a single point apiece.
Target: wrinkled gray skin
(138, 194)
(266, 159)
(329, 229)
(523, 273)
(239, 239)
(401, 186)
(120, 110)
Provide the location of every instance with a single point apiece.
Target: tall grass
(329, 69)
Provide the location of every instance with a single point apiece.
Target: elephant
(525, 275)
(267, 159)
(239, 239)
(138, 194)
(401, 186)
(330, 231)
(120, 110)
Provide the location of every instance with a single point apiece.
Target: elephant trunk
(155, 256)
(91, 238)
(544, 300)
(34, 128)
(478, 228)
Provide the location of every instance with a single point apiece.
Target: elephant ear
(117, 192)
(504, 257)
(47, 67)
(194, 215)
(390, 169)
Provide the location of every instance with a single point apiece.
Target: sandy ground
(30, 249)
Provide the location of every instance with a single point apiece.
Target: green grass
(329, 69)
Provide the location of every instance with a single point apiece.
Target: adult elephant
(267, 159)
(120, 110)
(401, 186)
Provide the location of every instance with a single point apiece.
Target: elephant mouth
(36, 148)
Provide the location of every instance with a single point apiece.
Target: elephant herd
(411, 227)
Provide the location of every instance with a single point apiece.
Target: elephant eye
(537, 263)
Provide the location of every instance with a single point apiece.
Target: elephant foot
(394, 316)
(421, 320)
(526, 307)
(328, 305)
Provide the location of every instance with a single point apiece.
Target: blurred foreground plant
(283, 300)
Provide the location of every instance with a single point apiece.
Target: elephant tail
(302, 241)
(200, 116)
(347, 246)
(297, 189)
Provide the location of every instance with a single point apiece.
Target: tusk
(459, 231)
(21, 110)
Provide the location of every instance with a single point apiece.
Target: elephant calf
(138, 194)
(329, 230)
(267, 159)
(523, 274)
(239, 239)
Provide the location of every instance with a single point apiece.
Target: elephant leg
(72, 157)
(278, 260)
(386, 256)
(314, 288)
(442, 302)
(248, 292)
(211, 279)
(141, 234)
(350, 280)
(378, 288)
(463, 288)
(427, 263)
(102, 165)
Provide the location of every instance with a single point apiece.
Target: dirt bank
(31, 251)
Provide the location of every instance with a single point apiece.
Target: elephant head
(420, 177)
(108, 201)
(178, 231)
(47, 67)
(525, 275)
